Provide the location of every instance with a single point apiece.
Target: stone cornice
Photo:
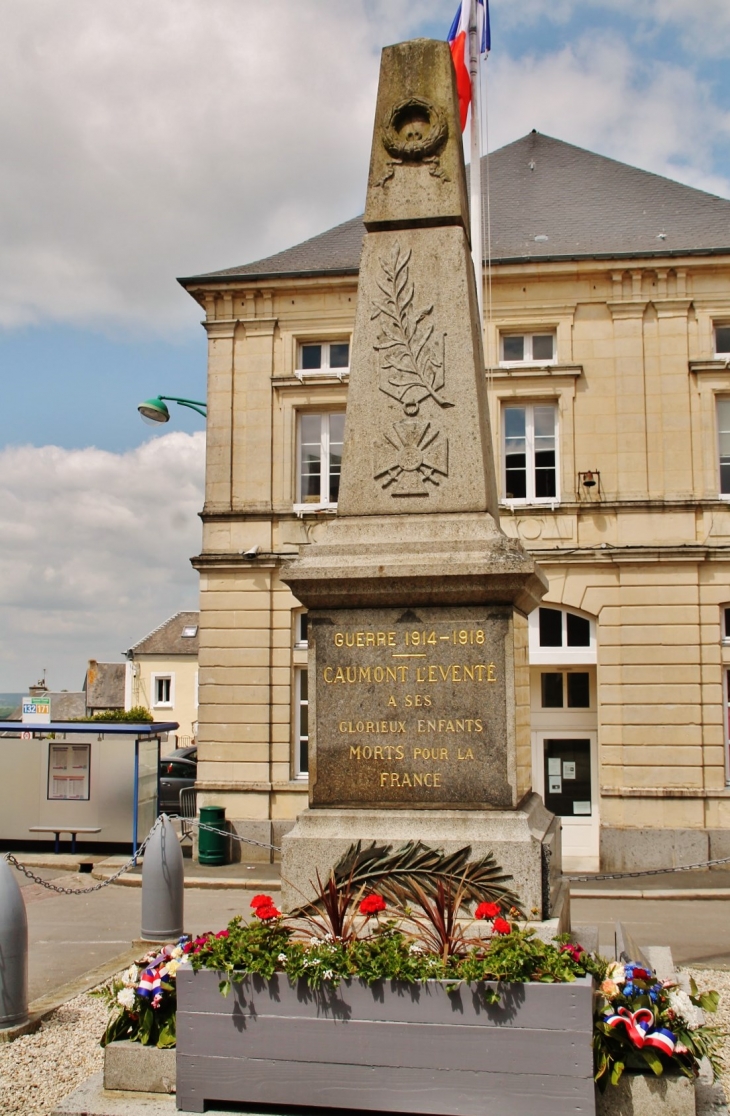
(237, 559)
(606, 554)
(671, 307)
(711, 367)
(553, 371)
(631, 308)
(664, 792)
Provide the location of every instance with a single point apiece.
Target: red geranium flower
(488, 911)
(262, 901)
(372, 904)
(266, 913)
(501, 926)
(575, 951)
(222, 934)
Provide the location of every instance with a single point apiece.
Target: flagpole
(475, 181)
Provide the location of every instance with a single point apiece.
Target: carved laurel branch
(404, 340)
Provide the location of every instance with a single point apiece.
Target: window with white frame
(323, 356)
(530, 437)
(565, 689)
(723, 444)
(722, 340)
(163, 689)
(527, 348)
(301, 641)
(558, 635)
(320, 438)
(68, 771)
(301, 723)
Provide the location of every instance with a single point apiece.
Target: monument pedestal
(525, 842)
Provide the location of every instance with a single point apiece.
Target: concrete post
(162, 884)
(13, 951)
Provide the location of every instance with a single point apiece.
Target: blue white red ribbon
(641, 1030)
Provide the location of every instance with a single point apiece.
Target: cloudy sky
(146, 140)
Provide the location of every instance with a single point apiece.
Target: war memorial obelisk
(419, 687)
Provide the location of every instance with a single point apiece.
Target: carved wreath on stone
(411, 371)
(414, 132)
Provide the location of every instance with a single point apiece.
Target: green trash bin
(212, 847)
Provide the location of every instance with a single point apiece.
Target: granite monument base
(525, 842)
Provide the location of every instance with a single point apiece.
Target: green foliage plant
(137, 715)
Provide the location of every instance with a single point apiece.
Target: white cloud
(147, 140)
(702, 26)
(599, 94)
(96, 550)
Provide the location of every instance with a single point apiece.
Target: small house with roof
(162, 674)
(607, 365)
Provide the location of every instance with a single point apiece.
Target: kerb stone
(129, 1066)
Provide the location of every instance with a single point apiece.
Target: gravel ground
(719, 980)
(37, 1071)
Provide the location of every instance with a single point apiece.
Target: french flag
(458, 40)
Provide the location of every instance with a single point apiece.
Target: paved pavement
(72, 934)
(682, 910)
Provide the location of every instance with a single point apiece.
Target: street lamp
(154, 411)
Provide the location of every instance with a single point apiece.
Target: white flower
(282, 958)
(680, 1003)
(172, 967)
(125, 997)
(131, 977)
(327, 974)
(177, 952)
(416, 948)
(616, 972)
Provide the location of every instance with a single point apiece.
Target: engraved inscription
(411, 709)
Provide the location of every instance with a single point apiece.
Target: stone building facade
(607, 341)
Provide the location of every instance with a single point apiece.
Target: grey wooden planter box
(392, 1047)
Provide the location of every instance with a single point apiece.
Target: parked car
(176, 772)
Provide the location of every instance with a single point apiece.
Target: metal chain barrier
(233, 836)
(82, 890)
(277, 848)
(649, 871)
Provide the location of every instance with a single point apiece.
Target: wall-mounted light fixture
(154, 411)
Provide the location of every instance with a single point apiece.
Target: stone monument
(419, 687)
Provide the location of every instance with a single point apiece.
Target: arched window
(561, 635)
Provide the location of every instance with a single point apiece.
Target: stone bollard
(13, 951)
(162, 884)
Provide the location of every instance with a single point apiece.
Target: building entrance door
(569, 789)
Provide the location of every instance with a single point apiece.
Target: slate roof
(581, 205)
(168, 639)
(66, 705)
(104, 685)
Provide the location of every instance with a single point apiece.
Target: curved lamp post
(154, 410)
